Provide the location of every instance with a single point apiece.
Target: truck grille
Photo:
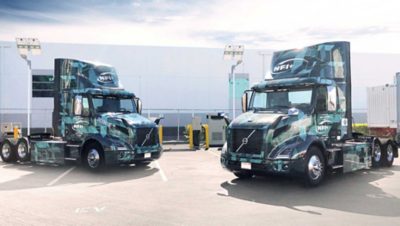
(146, 136)
(247, 141)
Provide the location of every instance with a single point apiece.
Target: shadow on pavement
(37, 176)
(357, 192)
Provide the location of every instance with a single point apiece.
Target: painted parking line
(213, 153)
(162, 174)
(51, 183)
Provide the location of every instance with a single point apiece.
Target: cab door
(77, 122)
(328, 117)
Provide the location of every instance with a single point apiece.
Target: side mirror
(138, 104)
(245, 100)
(78, 105)
(157, 120)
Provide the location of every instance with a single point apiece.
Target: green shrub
(360, 128)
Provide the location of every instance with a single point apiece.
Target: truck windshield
(103, 104)
(281, 100)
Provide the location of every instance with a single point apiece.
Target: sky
(370, 25)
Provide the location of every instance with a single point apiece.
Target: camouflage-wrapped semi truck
(300, 121)
(95, 122)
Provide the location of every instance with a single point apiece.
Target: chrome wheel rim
(315, 167)
(6, 150)
(377, 152)
(93, 158)
(22, 150)
(389, 151)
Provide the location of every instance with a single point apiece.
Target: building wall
(170, 80)
(167, 79)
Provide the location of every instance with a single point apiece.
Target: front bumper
(124, 156)
(261, 166)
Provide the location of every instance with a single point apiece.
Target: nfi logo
(79, 125)
(105, 77)
(286, 65)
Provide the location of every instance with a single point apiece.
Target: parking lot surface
(190, 188)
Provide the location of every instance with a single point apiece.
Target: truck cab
(95, 122)
(299, 122)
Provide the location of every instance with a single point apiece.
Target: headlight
(285, 153)
(224, 149)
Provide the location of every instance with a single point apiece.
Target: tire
(22, 150)
(93, 157)
(388, 154)
(7, 152)
(243, 174)
(377, 154)
(314, 170)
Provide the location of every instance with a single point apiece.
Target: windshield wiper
(124, 111)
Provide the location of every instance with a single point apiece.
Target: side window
(332, 99)
(321, 100)
(85, 106)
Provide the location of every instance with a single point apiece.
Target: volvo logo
(147, 137)
(245, 140)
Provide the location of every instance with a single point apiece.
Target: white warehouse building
(178, 82)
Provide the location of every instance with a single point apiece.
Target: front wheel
(243, 174)
(93, 158)
(314, 171)
(7, 152)
(388, 155)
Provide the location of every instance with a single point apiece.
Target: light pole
(234, 52)
(26, 46)
(263, 54)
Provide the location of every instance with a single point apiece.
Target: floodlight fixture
(233, 52)
(26, 45)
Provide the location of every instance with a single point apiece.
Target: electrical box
(217, 125)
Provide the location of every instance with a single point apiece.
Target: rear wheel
(376, 154)
(388, 154)
(314, 171)
(93, 158)
(23, 153)
(7, 152)
(243, 174)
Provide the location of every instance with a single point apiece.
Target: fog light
(285, 166)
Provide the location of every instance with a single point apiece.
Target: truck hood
(255, 119)
(126, 120)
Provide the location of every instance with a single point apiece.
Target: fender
(106, 142)
(296, 147)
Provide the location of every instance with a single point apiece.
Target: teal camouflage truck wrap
(108, 119)
(299, 122)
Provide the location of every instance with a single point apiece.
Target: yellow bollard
(160, 134)
(190, 133)
(206, 136)
(16, 133)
